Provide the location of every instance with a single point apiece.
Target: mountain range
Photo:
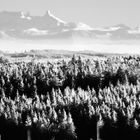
(18, 25)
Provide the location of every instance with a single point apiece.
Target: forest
(96, 98)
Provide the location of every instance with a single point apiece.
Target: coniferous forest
(71, 99)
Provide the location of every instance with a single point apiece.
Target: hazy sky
(96, 13)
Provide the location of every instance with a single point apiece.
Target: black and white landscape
(70, 73)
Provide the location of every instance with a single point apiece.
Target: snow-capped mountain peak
(48, 13)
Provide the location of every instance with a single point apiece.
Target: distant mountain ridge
(19, 25)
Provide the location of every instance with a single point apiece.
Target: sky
(96, 13)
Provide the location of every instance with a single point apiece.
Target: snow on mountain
(114, 28)
(48, 13)
(34, 31)
(108, 29)
(82, 26)
(135, 31)
(23, 16)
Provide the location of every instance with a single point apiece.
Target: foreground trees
(76, 99)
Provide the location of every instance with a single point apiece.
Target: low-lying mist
(20, 46)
